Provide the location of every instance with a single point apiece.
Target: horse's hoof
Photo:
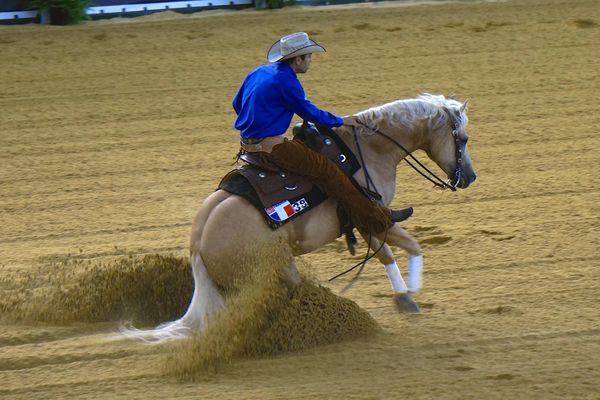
(351, 241)
(406, 304)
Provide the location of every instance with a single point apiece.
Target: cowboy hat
(295, 44)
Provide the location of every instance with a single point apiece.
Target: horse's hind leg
(209, 204)
(290, 275)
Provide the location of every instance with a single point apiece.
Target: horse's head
(447, 145)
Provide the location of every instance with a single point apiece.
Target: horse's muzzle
(466, 180)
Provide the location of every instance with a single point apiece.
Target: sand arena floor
(112, 133)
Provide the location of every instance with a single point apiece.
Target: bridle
(432, 177)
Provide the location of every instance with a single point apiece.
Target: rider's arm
(295, 100)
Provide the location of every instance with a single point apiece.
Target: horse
(227, 228)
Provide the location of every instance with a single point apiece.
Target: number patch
(300, 205)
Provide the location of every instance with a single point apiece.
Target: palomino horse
(228, 228)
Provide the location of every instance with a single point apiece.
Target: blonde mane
(407, 113)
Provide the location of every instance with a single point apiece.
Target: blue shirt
(268, 99)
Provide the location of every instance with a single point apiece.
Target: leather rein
(433, 178)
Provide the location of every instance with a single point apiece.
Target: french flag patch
(280, 211)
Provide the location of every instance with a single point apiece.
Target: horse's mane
(411, 111)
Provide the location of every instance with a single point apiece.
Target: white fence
(133, 9)
(170, 5)
(21, 14)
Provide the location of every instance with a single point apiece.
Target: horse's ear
(464, 106)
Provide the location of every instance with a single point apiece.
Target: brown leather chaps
(295, 157)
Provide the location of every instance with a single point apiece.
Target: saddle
(281, 196)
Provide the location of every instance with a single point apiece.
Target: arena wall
(16, 11)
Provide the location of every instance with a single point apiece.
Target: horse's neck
(380, 156)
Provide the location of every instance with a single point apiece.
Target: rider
(265, 104)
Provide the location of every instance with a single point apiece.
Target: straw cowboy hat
(295, 44)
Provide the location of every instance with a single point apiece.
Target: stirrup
(401, 215)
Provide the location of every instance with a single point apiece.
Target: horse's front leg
(402, 291)
(396, 236)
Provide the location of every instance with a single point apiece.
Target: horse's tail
(206, 301)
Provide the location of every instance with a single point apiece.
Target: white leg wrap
(393, 273)
(415, 273)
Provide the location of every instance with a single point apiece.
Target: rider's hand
(350, 120)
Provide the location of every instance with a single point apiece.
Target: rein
(433, 178)
(370, 183)
(361, 264)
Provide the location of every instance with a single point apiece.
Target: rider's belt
(252, 145)
(251, 140)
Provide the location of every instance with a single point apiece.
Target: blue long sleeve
(268, 99)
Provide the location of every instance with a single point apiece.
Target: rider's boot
(401, 215)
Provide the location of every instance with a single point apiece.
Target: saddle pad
(277, 214)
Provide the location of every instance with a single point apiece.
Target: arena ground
(112, 132)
